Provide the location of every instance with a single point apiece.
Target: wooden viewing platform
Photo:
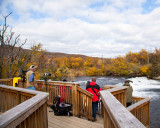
(71, 122)
(28, 108)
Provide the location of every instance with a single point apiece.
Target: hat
(127, 81)
(32, 67)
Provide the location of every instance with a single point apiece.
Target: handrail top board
(117, 88)
(59, 82)
(85, 92)
(111, 86)
(119, 115)
(7, 79)
(22, 108)
(138, 97)
(138, 104)
(34, 92)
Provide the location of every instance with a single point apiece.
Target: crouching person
(94, 89)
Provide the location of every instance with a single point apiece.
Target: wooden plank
(117, 89)
(119, 115)
(16, 89)
(22, 111)
(72, 121)
(74, 99)
(85, 92)
(138, 104)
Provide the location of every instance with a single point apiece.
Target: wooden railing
(136, 99)
(8, 82)
(108, 87)
(141, 110)
(67, 90)
(82, 100)
(84, 103)
(116, 115)
(118, 92)
(140, 107)
(9, 98)
(55, 88)
(23, 108)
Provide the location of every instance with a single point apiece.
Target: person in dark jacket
(94, 89)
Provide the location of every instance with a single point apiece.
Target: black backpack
(60, 107)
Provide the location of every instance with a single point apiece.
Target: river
(142, 87)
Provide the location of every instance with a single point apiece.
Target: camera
(47, 74)
(23, 76)
(24, 71)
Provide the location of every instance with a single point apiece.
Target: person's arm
(99, 89)
(31, 79)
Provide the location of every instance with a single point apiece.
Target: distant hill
(58, 54)
(49, 54)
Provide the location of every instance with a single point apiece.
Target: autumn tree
(155, 69)
(61, 73)
(143, 57)
(132, 57)
(88, 62)
(11, 55)
(119, 66)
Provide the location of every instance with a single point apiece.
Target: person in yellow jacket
(129, 92)
(31, 79)
(15, 81)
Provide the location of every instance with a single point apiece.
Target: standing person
(31, 79)
(129, 92)
(94, 89)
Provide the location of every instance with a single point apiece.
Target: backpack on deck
(60, 107)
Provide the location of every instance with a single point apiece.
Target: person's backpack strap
(94, 91)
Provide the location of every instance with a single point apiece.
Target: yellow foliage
(91, 71)
(119, 66)
(58, 74)
(144, 70)
(88, 62)
(38, 75)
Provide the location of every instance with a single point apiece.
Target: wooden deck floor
(72, 122)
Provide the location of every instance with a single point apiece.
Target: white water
(144, 87)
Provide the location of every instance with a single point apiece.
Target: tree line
(14, 60)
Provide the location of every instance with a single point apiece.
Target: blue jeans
(31, 88)
(94, 109)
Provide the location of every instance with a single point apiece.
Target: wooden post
(78, 103)
(149, 113)
(11, 82)
(74, 99)
(125, 97)
(90, 108)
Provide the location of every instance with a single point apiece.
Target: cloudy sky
(107, 28)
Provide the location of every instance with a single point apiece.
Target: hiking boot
(94, 120)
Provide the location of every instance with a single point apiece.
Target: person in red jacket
(94, 88)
